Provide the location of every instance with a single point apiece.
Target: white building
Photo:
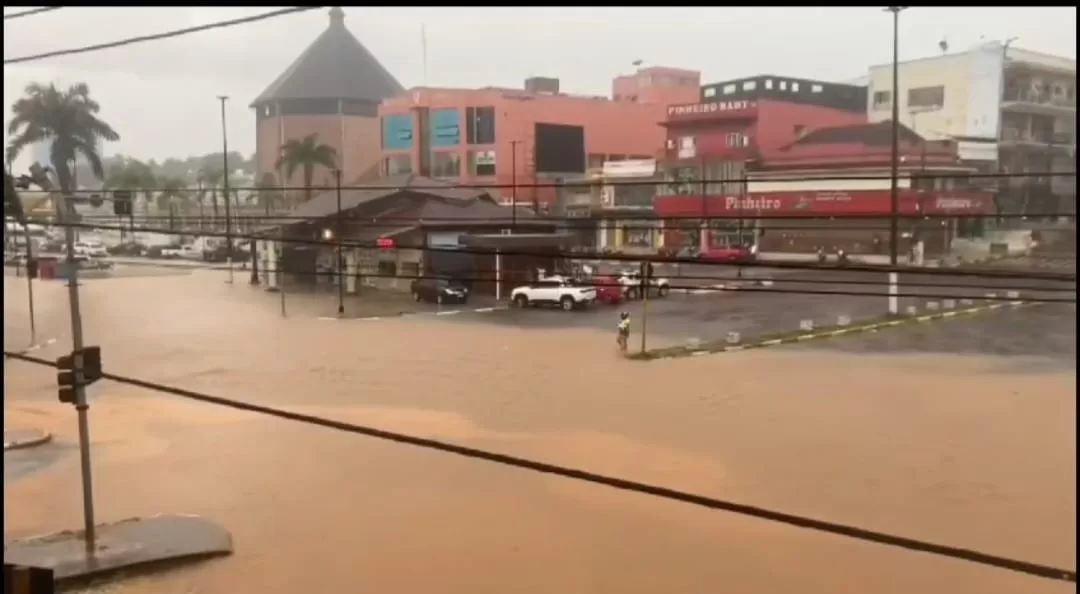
(1010, 109)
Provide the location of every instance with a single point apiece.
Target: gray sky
(160, 96)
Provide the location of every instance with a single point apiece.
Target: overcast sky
(160, 96)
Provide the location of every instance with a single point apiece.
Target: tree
(306, 154)
(69, 119)
(171, 196)
(268, 195)
(211, 179)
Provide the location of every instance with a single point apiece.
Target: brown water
(930, 447)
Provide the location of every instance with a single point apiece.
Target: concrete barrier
(932, 306)
(734, 338)
(949, 304)
(843, 320)
(806, 325)
(967, 302)
(911, 310)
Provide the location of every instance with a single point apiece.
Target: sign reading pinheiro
(713, 107)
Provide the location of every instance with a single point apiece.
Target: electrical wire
(158, 36)
(589, 183)
(635, 259)
(963, 554)
(18, 15)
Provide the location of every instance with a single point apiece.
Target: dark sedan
(439, 291)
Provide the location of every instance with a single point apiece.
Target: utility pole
(340, 254)
(513, 184)
(65, 212)
(894, 186)
(225, 187)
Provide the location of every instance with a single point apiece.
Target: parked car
(128, 248)
(608, 289)
(728, 254)
(91, 249)
(186, 252)
(438, 290)
(631, 281)
(554, 290)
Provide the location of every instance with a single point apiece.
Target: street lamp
(225, 186)
(340, 253)
(894, 186)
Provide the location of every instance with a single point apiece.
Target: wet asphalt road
(792, 297)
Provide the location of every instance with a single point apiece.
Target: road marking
(327, 319)
(448, 313)
(484, 310)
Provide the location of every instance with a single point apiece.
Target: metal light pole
(340, 254)
(65, 211)
(894, 178)
(225, 187)
(29, 278)
(513, 184)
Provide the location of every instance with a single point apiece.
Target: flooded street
(928, 446)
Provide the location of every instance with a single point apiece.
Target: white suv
(553, 290)
(631, 282)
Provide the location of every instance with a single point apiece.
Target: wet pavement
(930, 445)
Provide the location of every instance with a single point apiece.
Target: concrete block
(693, 343)
(734, 338)
(1013, 295)
(991, 295)
(932, 306)
(806, 325)
(949, 304)
(843, 320)
(911, 310)
(967, 302)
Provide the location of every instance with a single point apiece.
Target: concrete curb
(856, 328)
(25, 438)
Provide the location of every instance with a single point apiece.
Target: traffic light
(65, 378)
(67, 375)
(122, 203)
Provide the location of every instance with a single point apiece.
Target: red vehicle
(608, 289)
(728, 254)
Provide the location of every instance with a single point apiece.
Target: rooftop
(335, 66)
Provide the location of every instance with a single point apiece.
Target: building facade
(823, 190)
(514, 139)
(1009, 110)
(333, 90)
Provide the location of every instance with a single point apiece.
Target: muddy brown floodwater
(931, 447)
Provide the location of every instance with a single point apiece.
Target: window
(794, 87)
(709, 92)
(632, 195)
(729, 89)
(445, 164)
(480, 125)
(397, 164)
(816, 89)
(737, 140)
(882, 99)
(926, 97)
(749, 85)
(783, 85)
(768, 84)
(639, 236)
(687, 142)
(482, 163)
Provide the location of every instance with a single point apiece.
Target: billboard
(559, 148)
(984, 90)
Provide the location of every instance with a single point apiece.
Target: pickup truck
(554, 290)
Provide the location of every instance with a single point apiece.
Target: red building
(819, 189)
(525, 136)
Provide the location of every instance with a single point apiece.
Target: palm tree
(134, 175)
(171, 195)
(306, 154)
(212, 178)
(268, 195)
(69, 120)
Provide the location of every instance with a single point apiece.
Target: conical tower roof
(335, 66)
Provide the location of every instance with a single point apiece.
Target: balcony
(1017, 138)
(1037, 102)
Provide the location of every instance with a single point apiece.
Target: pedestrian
(623, 338)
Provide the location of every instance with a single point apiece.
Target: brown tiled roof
(335, 66)
(876, 134)
(325, 203)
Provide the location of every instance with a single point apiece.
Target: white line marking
(326, 319)
(698, 353)
(772, 342)
(484, 309)
(448, 313)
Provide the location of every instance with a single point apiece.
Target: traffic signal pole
(65, 212)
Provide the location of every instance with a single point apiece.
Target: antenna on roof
(423, 51)
(944, 46)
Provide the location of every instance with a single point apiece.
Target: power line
(972, 556)
(31, 12)
(586, 183)
(635, 259)
(159, 36)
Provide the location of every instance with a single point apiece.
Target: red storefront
(832, 189)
